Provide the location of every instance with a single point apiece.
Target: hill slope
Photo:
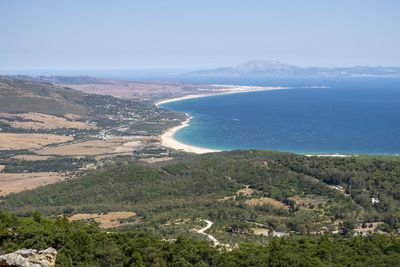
(80, 245)
(17, 96)
(236, 190)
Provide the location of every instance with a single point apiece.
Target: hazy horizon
(184, 36)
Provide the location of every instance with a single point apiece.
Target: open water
(352, 116)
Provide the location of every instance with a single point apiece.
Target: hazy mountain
(277, 69)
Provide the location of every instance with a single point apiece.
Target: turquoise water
(352, 116)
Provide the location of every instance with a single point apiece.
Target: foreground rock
(30, 258)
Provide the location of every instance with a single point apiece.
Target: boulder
(30, 258)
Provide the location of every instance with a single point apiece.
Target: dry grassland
(45, 121)
(265, 200)
(245, 191)
(109, 148)
(17, 182)
(93, 147)
(31, 157)
(12, 141)
(108, 220)
(260, 231)
(155, 160)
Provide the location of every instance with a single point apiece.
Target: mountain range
(278, 69)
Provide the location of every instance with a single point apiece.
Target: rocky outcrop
(30, 258)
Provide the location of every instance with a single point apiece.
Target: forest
(242, 192)
(87, 245)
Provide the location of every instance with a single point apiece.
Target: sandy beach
(227, 89)
(168, 140)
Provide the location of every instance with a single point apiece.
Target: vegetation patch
(107, 220)
(265, 201)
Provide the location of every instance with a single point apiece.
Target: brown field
(111, 147)
(265, 200)
(128, 89)
(2, 167)
(72, 116)
(245, 191)
(11, 141)
(31, 157)
(17, 182)
(108, 220)
(93, 147)
(141, 90)
(260, 231)
(128, 146)
(45, 121)
(154, 160)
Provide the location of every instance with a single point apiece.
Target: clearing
(88, 148)
(12, 141)
(260, 231)
(17, 182)
(112, 146)
(31, 157)
(155, 160)
(265, 200)
(109, 220)
(245, 191)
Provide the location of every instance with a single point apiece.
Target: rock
(30, 258)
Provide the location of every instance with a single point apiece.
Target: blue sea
(351, 116)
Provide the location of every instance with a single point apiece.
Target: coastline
(168, 140)
(228, 89)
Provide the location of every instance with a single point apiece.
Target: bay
(352, 116)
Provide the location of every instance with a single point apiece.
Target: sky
(118, 34)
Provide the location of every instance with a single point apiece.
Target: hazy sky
(110, 34)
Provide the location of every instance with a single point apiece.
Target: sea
(314, 115)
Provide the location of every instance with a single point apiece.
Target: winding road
(202, 230)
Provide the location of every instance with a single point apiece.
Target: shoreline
(229, 89)
(167, 138)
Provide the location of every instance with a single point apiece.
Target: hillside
(80, 245)
(51, 131)
(126, 89)
(17, 96)
(246, 194)
(20, 96)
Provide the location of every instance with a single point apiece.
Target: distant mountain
(277, 69)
